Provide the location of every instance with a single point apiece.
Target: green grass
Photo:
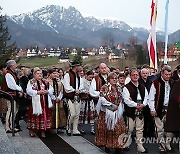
(39, 62)
(90, 63)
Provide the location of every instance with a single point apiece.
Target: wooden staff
(57, 120)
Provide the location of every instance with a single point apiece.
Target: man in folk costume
(98, 82)
(135, 99)
(72, 87)
(173, 113)
(148, 120)
(158, 103)
(9, 84)
(59, 119)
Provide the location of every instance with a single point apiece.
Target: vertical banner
(152, 36)
(166, 32)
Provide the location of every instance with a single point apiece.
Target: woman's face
(90, 77)
(121, 80)
(113, 80)
(60, 73)
(38, 75)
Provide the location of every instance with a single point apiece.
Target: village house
(54, 52)
(74, 52)
(102, 51)
(115, 55)
(32, 52)
(92, 52)
(63, 57)
(171, 56)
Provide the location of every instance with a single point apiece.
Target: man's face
(144, 74)
(166, 75)
(134, 76)
(13, 67)
(103, 69)
(38, 75)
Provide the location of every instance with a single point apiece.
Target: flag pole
(166, 32)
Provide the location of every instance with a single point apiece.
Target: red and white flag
(152, 36)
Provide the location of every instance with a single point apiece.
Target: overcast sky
(133, 12)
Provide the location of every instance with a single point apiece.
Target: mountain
(56, 25)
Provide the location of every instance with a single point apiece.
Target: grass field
(89, 63)
(39, 62)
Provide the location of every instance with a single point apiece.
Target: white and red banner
(152, 36)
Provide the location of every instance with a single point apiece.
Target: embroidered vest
(72, 76)
(99, 83)
(130, 111)
(4, 83)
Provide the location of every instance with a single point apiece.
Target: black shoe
(171, 151)
(162, 152)
(77, 134)
(68, 133)
(118, 151)
(107, 150)
(92, 132)
(3, 120)
(9, 131)
(126, 149)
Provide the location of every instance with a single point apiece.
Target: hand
(77, 91)
(153, 113)
(20, 94)
(57, 100)
(115, 108)
(138, 106)
(40, 92)
(45, 92)
(141, 106)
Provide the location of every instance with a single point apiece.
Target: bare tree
(133, 40)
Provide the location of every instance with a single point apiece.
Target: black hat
(75, 63)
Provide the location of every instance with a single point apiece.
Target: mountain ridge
(57, 21)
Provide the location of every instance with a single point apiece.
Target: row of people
(120, 107)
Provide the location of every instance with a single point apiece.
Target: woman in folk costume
(39, 113)
(87, 113)
(59, 118)
(110, 123)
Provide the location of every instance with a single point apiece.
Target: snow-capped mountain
(59, 21)
(56, 18)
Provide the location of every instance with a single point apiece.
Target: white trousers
(138, 124)
(73, 115)
(164, 142)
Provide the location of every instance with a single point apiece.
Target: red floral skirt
(108, 138)
(41, 122)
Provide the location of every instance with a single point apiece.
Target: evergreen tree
(6, 49)
(141, 55)
(78, 57)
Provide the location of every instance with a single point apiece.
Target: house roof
(84, 53)
(63, 55)
(117, 52)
